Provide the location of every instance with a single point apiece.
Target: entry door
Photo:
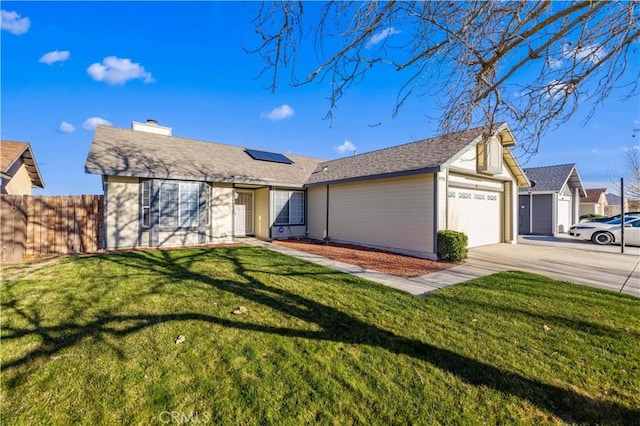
(524, 219)
(244, 214)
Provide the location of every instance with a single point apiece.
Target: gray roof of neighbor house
(553, 178)
(613, 199)
(124, 152)
(10, 152)
(424, 156)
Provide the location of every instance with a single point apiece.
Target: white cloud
(555, 89)
(381, 36)
(93, 122)
(65, 127)
(54, 56)
(13, 22)
(590, 52)
(116, 70)
(347, 146)
(279, 113)
(554, 63)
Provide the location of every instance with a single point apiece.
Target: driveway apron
(611, 271)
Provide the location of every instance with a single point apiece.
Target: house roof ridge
(194, 140)
(407, 144)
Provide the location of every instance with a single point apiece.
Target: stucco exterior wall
(393, 213)
(122, 212)
(221, 213)
(20, 183)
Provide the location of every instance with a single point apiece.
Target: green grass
(91, 341)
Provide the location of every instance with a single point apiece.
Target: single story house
(614, 202)
(594, 202)
(551, 205)
(18, 169)
(162, 190)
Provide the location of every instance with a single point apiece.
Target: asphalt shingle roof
(548, 178)
(423, 155)
(593, 195)
(11, 151)
(124, 152)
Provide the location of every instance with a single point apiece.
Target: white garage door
(477, 213)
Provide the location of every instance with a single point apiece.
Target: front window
(179, 204)
(289, 207)
(146, 203)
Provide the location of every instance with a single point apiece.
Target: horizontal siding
(261, 200)
(395, 213)
(480, 182)
(317, 211)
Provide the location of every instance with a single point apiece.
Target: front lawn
(92, 341)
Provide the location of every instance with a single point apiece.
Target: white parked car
(608, 232)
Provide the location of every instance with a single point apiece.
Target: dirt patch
(377, 260)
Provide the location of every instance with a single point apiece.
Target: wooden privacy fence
(46, 225)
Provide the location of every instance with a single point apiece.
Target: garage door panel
(477, 213)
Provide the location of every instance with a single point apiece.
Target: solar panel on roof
(273, 157)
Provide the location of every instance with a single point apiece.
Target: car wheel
(602, 238)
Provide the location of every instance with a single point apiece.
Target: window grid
(146, 204)
(289, 207)
(179, 204)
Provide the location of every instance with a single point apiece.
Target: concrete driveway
(568, 241)
(611, 271)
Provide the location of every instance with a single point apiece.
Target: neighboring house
(19, 170)
(162, 190)
(594, 202)
(551, 205)
(614, 203)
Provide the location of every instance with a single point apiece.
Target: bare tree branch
(529, 63)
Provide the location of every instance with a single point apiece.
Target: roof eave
(424, 170)
(212, 178)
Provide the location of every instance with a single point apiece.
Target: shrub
(452, 245)
(589, 216)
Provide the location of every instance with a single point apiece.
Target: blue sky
(67, 66)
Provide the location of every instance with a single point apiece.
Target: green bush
(452, 245)
(590, 216)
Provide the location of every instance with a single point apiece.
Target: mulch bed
(369, 258)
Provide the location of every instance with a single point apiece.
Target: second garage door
(477, 213)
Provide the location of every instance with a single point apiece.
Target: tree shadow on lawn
(337, 326)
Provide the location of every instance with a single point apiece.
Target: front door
(243, 214)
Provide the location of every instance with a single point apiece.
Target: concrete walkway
(604, 270)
